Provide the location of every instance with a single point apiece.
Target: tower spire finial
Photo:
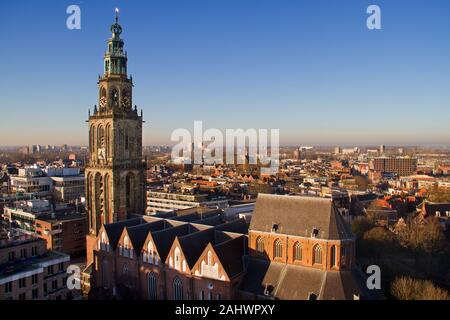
(117, 14)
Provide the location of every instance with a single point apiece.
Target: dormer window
(268, 290)
(438, 213)
(315, 233)
(312, 296)
(274, 227)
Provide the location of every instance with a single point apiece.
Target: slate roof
(193, 244)
(293, 282)
(163, 239)
(114, 230)
(139, 233)
(298, 216)
(230, 254)
(237, 226)
(431, 208)
(211, 221)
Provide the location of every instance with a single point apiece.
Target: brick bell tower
(115, 170)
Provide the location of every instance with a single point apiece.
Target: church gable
(150, 251)
(209, 265)
(103, 243)
(176, 258)
(125, 245)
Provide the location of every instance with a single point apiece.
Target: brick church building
(294, 247)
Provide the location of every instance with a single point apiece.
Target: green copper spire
(115, 58)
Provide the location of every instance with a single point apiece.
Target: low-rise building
(64, 227)
(28, 271)
(64, 232)
(32, 180)
(159, 201)
(22, 214)
(67, 183)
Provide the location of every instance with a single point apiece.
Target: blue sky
(309, 68)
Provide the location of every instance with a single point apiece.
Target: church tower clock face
(114, 169)
(103, 102)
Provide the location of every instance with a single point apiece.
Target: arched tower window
(317, 254)
(103, 92)
(260, 245)
(277, 249)
(126, 140)
(152, 288)
(97, 205)
(88, 198)
(92, 139)
(100, 137)
(177, 289)
(108, 133)
(129, 194)
(298, 251)
(114, 95)
(106, 192)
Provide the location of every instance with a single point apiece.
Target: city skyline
(316, 73)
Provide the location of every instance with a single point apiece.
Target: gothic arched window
(106, 199)
(177, 289)
(114, 95)
(298, 251)
(92, 138)
(108, 133)
(126, 140)
(150, 252)
(317, 254)
(177, 254)
(152, 288)
(100, 137)
(125, 269)
(277, 249)
(260, 245)
(105, 274)
(209, 258)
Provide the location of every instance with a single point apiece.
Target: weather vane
(117, 14)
